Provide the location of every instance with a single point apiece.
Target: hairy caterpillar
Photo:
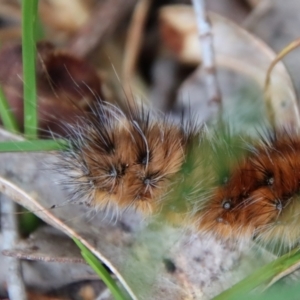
(230, 186)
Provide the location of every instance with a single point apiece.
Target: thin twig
(9, 226)
(105, 19)
(208, 57)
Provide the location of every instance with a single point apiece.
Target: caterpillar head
(124, 162)
(225, 216)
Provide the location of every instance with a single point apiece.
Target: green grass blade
(32, 146)
(93, 261)
(241, 289)
(29, 17)
(279, 291)
(7, 117)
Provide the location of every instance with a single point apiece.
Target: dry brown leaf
(67, 86)
(10, 10)
(279, 27)
(236, 50)
(67, 15)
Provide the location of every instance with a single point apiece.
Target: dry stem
(9, 225)
(208, 57)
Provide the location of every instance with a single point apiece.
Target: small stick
(9, 226)
(208, 57)
(105, 19)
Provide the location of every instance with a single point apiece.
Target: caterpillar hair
(230, 186)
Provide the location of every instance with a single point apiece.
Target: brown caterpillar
(230, 186)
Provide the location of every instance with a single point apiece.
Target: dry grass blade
(282, 274)
(133, 43)
(31, 204)
(264, 274)
(267, 89)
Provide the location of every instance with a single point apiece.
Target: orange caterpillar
(228, 186)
